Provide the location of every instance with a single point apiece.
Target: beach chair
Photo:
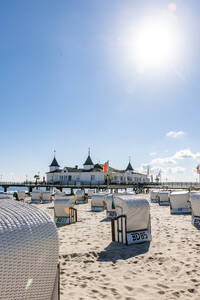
(46, 197)
(179, 202)
(154, 196)
(29, 253)
(64, 211)
(36, 197)
(21, 195)
(90, 193)
(5, 196)
(163, 198)
(81, 198)
(132, 224)
(195, 208)
(98, 202)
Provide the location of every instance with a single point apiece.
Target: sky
(118, 76)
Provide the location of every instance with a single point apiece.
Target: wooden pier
(138, 187)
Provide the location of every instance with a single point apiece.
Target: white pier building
(92, 174)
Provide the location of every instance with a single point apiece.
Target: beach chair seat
(132, 224)
(179, 202)
(163, 198)
(64, 211)
(28, 253)
(98, 202)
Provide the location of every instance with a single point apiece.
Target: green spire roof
(54, 163)
(88, 161)
(129, 167)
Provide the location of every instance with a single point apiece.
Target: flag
(159, 173)
(105, 167)
(198, 169)
(148, 171)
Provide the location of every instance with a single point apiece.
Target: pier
(138, 187)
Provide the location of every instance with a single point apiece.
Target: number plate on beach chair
(62, 220)
(81, 201)
(164, 203)
(97, 208)
(154, 201)
(138, 237)
(196, 222)
(180, 211)
(111, 214)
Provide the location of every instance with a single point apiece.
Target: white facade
(92, 174)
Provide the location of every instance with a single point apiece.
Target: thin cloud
(175, 134)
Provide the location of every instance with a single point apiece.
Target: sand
(92, 267)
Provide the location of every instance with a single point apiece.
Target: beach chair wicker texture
(28, 252)
(136, 209)
(195, 203)
(99, 199)
(62, 204)
(179, 200)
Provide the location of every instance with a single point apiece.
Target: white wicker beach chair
(179, 202)
(154, 196)
(36, 197)
(195, 208)
(28, 253)
(90, 193)
(5, 196)
(46, 197)
(98, 202)
(64, 211)
(133, 222)
(21, 195)
(81, 197)
(163, 198)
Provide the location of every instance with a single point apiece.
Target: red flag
(104, 167)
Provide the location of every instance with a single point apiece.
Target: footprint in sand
(129, 288)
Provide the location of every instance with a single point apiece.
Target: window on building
(69, 177)
(92, 177)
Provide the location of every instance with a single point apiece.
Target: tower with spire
(129, 167)
(88, 164)
(54, 165)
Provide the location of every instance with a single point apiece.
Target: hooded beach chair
(163, 198)
(36, 197)
(98, 202)
(46, 197)
(179, 202)
(133, 222)
(81, 198)
(28, 253)
(21, 195)
(154, 196)
(64, 211)
(195, 208)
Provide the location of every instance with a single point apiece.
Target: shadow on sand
(116, 251)
(106, 220)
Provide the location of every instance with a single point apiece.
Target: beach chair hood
(28, 252)
(135, 208)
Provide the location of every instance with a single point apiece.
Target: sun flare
(155, 44)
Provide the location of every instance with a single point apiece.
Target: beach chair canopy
(59, 194)
(153, 194)
(91, 192)
(110, 199)
(163, 195)
(80, 194)
(36, 195)
(136, 209)
(21, 195)
(179, 199)
(46, 195)
(99, 199)
(62, 205)
(5, 196)
(195, 203)
(28, 252)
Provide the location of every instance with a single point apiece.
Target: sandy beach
(92, 267)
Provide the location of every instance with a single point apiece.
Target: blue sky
(69, 81)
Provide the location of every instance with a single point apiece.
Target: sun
(155, 44)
